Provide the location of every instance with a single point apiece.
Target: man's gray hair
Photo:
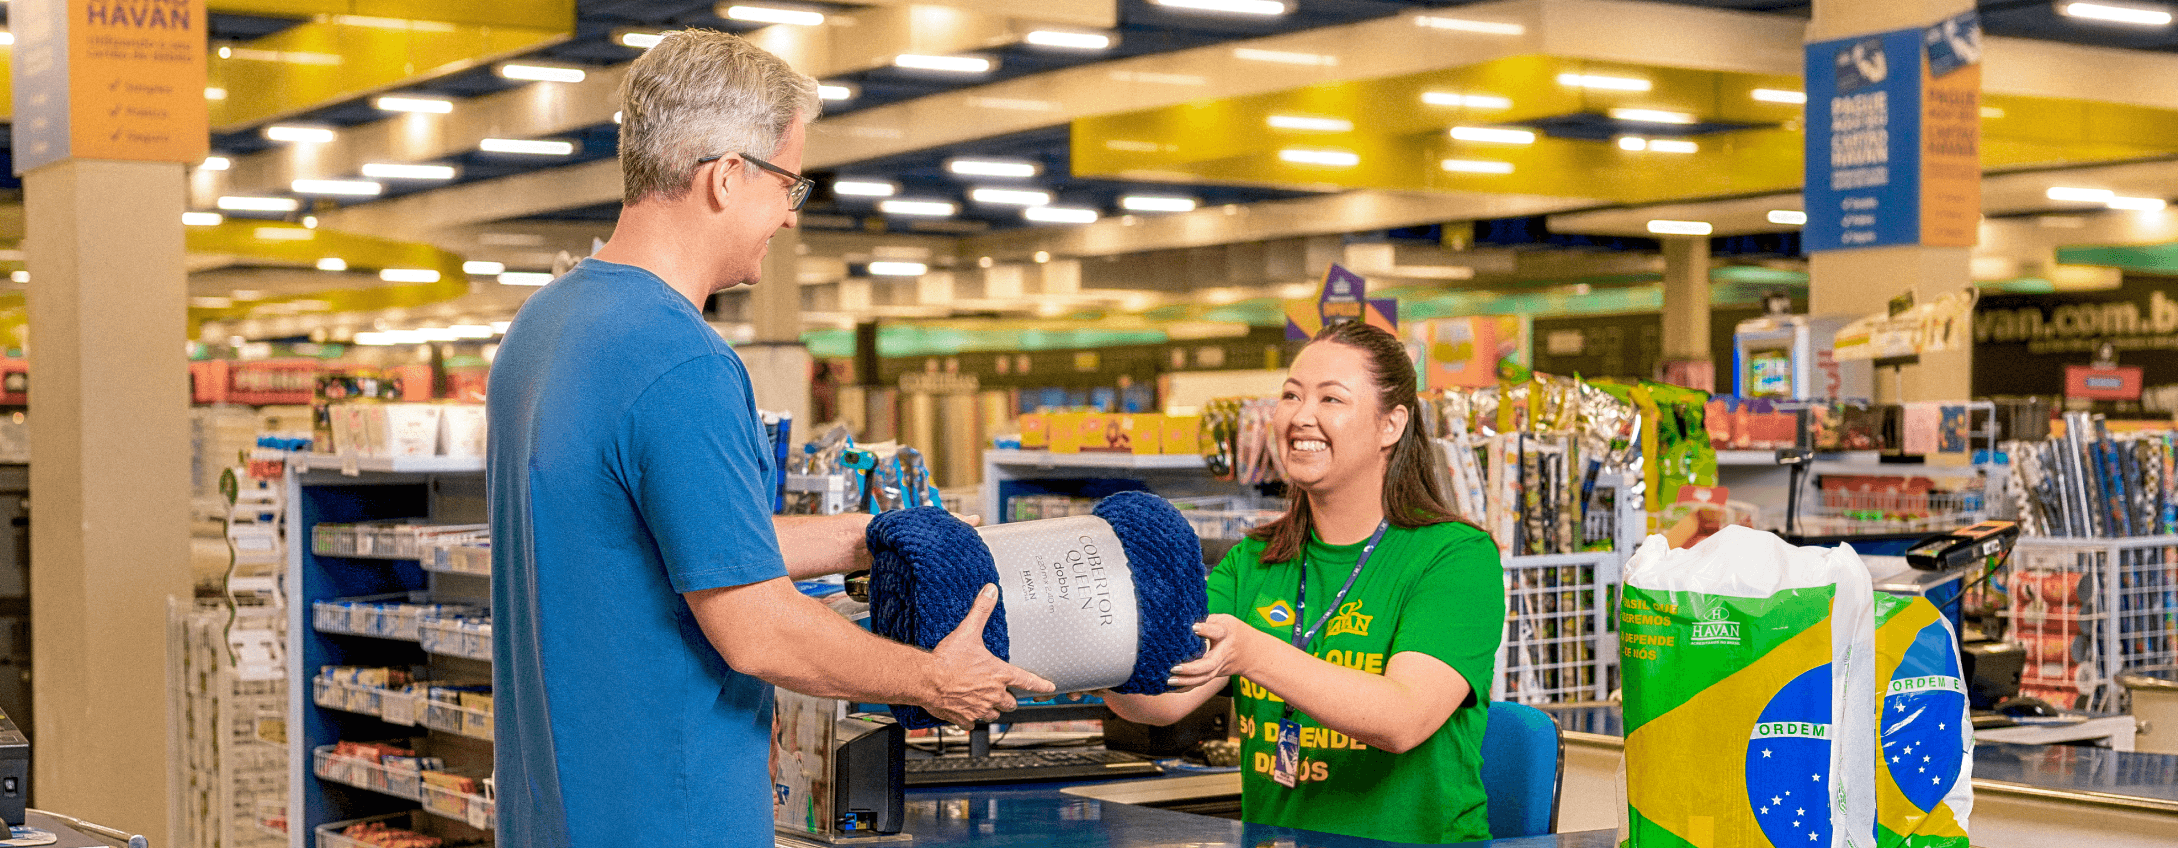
(703, 93)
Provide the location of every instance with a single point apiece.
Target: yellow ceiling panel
(535, 14)
(338, 58)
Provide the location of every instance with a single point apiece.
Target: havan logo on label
(1717, 630)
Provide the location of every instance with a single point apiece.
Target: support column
(1686, 313)
(109, 482)
(778, 362)
(1860, 282)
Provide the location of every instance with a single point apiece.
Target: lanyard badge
(1286, 763)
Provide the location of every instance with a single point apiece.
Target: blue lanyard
(1300, 592)
(1300, 600)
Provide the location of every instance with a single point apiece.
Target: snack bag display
(1749, 669)
(1924, 778)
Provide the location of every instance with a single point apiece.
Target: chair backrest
(1522, 765)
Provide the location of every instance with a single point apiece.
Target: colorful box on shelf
(1143, 433)
(458, 797)
(375, 428)
(374, 832)
(357, 765)
(401, 538)
(466, 634)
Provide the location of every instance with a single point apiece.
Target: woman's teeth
(1310, 445)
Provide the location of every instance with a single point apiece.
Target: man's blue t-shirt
(627, 466)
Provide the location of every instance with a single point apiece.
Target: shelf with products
(1008, 474)
(352, 609)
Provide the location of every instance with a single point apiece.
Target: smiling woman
(1356, 699)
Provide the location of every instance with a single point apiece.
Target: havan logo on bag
(1717, 630)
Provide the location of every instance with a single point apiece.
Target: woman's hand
(1229, 639)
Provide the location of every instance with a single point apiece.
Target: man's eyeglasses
(797, 194)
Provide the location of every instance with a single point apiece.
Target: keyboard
(1029, 766)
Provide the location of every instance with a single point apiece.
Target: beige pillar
(1862, 282)
(1686, 298)
(778, 362)
(109, 483)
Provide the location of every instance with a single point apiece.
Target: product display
(1090, 602)
(1745, 637)
(2089, 483)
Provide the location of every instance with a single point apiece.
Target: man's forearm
(817, 545)
(810, 649)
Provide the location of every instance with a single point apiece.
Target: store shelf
(364, 774)
(456, 636)
(348, 464)
(1138, 462)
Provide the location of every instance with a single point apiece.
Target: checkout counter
(1086, 815)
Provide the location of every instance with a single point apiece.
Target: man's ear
(718, 180)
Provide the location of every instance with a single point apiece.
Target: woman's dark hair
(1411, 498)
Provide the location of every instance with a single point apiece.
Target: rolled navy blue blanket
(1060, 580)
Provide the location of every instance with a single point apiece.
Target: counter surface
(2148, 781)
(1041, 815)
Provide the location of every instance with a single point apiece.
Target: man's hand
(969, 684)
(1227, 636)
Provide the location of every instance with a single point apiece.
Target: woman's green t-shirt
(1437, 590)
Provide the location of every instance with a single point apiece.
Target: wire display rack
(1559, 644)
(2086, 609)
(1852, 513)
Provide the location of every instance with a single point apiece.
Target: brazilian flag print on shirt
(1436, 590)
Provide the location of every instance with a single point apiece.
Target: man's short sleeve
(693, 461)
(1456, 610)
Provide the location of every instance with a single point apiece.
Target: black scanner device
(1963, 547)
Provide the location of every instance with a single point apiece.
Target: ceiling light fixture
(918, 208)
(774, 15)
(540, 73)
(336, 188)
(332, 263)
(1651, 116)
(1234, 7)
(942, 64)
(1464, 25)
(202, 219)
(472, 331)
(898, 269)
(1680, 228)
(435, 105)
(2136, 204)
(1309, 124)
(1475, 166)
(1494, 135)
(409, 275)
(1156, 203)
(289, 132)
(1788, 217)
(529, 146)
(993, 167)
(1604, 83)
(396, 171)
(864, 188)
(244, 203)
(1779, 95)
(1330, 158)
(1285, 57)
(524, 278)
(1672, 145)
(641, 40)
(1068, 40)
(483, 268)
(1010, 196)
(1060, 215)
(214, 93)
(2117, 14)
(1632, 142)
(833, 92)
(214, 163)
(1471, 101)
(2082, 195)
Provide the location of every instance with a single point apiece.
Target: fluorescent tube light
(540, 73)
(332, 263)
(864, 188)
(1331, 158)
(202, 219)
(336, 188)
(774, 15)
(214, 163)
(1496, 135)
(832, 92)
(1672, 145)
(1156, 203)
(396, 171)
(898, 269)
(1471, 101)
(1475, 166)
(1068, 40)
(1788, 217)
(483, 268)
(921, 208)
(530, 146)
(1234, 7)
(1779, 95)
(993, 167)
(524, 278)
(2083, 195)
(433, 105)
(1680, 228)
(243, 203)
(1010, 196)
(1464, 25)
(409, 275)
(288, 132)
(1601, 82)
(943, 64)
(2136, 204)
(1310, 124)
(641, 40)
(2116, 14)
(1651, 116)
(1285, 57)
(1059, 215)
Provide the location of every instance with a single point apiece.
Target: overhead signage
(2024, 342)
(1344, 297)
(1893, 138)
(108, 79)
